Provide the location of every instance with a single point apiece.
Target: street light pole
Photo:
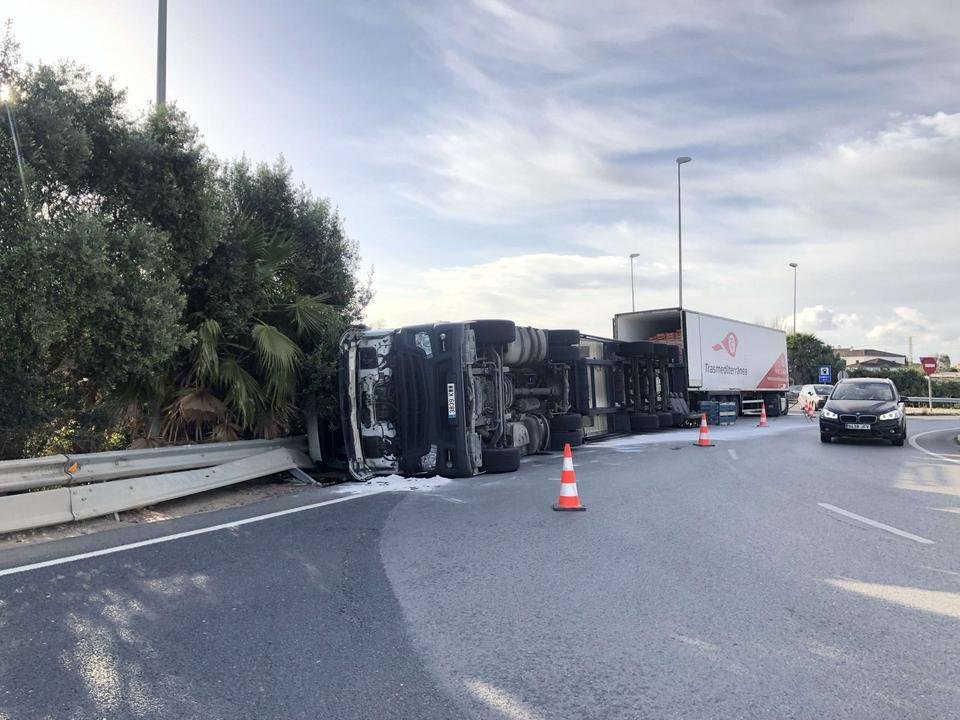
(680, 161)
(794, 266)
(162, 53)
(633, 302)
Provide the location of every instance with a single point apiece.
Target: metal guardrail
(935, 401)
(59, 470)
(21, 511)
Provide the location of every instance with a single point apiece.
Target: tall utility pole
(910, 344)
(794, 266)
(680, 161)
(162, 53)
(633, 302)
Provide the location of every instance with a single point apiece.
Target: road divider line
(874, 523)
(179, 536)
(915, 443)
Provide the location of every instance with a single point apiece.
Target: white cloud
(820, 318)
(543, 289)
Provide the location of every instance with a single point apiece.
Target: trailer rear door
(694, 355)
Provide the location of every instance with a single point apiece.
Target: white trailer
(725, 359)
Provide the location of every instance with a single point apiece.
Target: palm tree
(245, 382)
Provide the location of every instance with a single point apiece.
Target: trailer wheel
(640, 423)
(562, 437)
(494, 332)
(500, 460)
(563, 337)
(566, 423)
(563, 353)
(665, 419)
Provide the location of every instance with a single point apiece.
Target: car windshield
(823, 389)
(863, 391)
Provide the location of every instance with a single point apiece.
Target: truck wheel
(563, 337)
(665, 419)
(500, 460)
(640, 348)
(565, 423)
(494, 332)
(824, 438)
(773, 408)
(563, 353)
(562, 437)
(640, 423)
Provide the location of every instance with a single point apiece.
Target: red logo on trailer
(729, 343)
(929, 365)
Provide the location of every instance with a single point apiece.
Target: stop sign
(929, 365)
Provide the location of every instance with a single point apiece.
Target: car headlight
(828, 414)
(892, 415)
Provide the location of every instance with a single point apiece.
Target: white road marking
(913, 441)
(180, 535)
(874, 523)
(501, 700)
(733, 453)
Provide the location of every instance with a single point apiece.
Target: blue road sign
(826, 373)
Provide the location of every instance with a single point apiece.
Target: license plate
(857, 426)
(452, 401)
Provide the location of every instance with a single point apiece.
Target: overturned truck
(458, 399)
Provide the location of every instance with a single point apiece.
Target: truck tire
(500, 460)
(560, 438)
(639, 348)
(642, 423)
(773, 406)
(563, 353)
(563, 337)
(494, 332)
(566, 423)
(665, 419)
(621, 423)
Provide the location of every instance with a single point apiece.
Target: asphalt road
(770, 577)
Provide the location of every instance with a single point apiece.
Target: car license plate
(857, 426)
(452, 401)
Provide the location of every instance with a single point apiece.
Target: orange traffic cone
(763, 416)
(704, 440)
(569, 499)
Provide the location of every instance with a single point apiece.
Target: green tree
(806, 353)
(145, 286)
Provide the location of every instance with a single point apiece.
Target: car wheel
(501, 460)
(824, 438)
(898, 441)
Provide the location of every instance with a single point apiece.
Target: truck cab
(454, 399)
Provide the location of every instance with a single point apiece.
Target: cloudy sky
(499, 158)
